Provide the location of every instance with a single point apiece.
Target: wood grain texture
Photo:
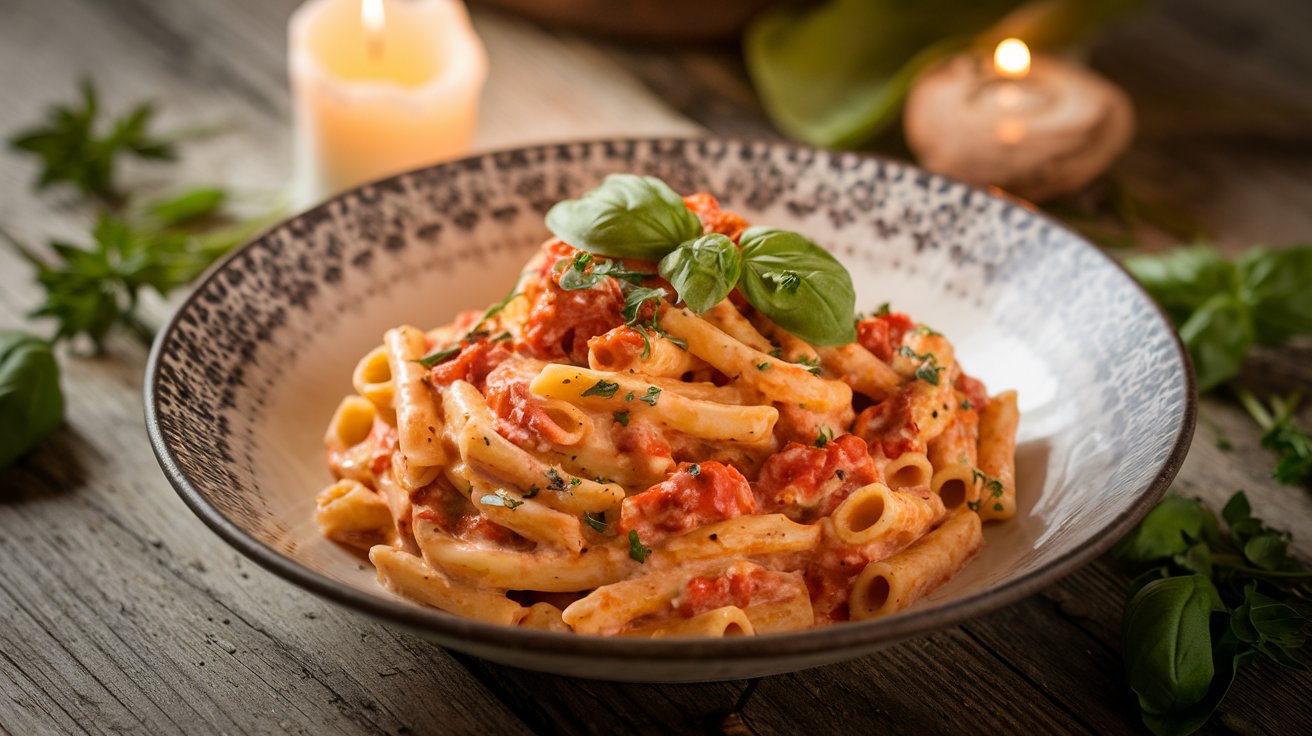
(122, 613)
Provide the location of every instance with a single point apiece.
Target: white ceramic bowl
(244, 379)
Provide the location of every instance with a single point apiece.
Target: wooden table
(119, 611)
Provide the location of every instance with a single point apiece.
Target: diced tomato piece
(806, 483)
(522, 417)
(384, 438)
(473, 364)
(735, 587)
(974, 391)
(693, 496)
(560, 322)
(714, 219)
(622, 345)
(883, 333)
(889, 426)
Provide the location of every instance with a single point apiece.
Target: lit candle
(379, 87)
(1038, 127)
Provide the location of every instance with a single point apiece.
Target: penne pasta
(590, 456)
(890, 585)
(997, 456)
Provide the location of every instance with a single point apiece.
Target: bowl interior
(246, 377)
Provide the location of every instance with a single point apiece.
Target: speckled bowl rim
(856, 635)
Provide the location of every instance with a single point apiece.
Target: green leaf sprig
(1205, 603)
(167, 244)
(785, 276)
(1292, 445)
(31, 404)
(74, 151)
(1222, 308)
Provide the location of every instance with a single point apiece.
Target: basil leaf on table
(628, 216)
(1167, 530)
(1278, 286)
(1167, 642)
(31, 404)
(703, 271)
(1183, 278)
(798, 285)
(1222, 308)
(1218, 335)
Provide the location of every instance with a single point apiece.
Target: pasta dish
(675, 424)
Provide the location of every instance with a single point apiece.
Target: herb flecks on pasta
(674, 424)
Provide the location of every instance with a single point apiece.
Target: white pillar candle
(379, 87)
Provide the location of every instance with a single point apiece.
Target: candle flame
(1012, 58)
(371, 14)
(374, 19)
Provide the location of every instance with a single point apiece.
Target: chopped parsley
(596, 521)
(621, 418)
(501, 498)
(441, 356)
(763, 366)
(628, 396)
(883, 310)
(652, 395)
(929, 367)
(966, 405)
(557, 483)
(824, 437)
(603, 388)
(577, 276)
(694, 470)
(491, 312)
(777, 353)
(992, 485)
(812, 364)
(637, 550)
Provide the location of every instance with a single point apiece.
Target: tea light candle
(379, 87)
(1037, 127)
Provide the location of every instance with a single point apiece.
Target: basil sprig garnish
(785, 276)
(628, 216)
(799, 286)
(703, 270)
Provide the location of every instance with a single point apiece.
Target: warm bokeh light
(371, 14)
(1011, 58)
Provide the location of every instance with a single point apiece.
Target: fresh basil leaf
(1168, 530)
(1228, 655)
(1236, 509)
(1167, 642)
(1267, 551)
(1277, 285)
(1218, 336)
(31, 403)
(1182, 279)
(628, 216)
(703, 271)
(1268, 620)
(821, 310)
